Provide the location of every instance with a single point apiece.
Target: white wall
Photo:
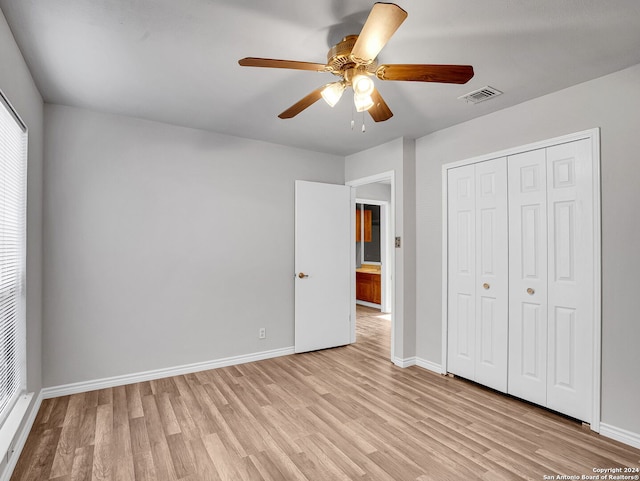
(398, 156)
(611, 103)
(165, 246)
(18, 86)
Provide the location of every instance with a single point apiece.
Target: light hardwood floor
(340, 414)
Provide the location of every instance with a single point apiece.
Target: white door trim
(594, 136)
(388, 176)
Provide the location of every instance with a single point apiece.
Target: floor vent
(480, 95)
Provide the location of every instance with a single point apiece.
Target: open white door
(324, 229)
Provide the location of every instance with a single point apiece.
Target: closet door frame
(593, 135)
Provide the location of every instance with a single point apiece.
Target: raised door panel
(363, 287)
(491, 303)
(528, 276)
(368, 287)
(377, 291)
(363, 229)
(461, 271)
(367, 217)
(570, 267)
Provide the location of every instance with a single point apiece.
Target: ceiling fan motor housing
(339, 60)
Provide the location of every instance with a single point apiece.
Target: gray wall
(398, 156)
(375, 191)
(611, 103)
(17, 84)
(165, 246)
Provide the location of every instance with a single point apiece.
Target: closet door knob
(486, 285)
(531, 291)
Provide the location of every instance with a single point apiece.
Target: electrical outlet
(262, 333)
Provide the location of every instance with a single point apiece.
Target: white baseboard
(21, 439)
(368, 304)
(84, 386)
(619, 434)
(429, 365)
(410, 361)
(417, 361)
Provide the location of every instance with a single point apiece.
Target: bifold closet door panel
(461, 271)
(570, 278)
(551, 277)
(478, 273)
(492, 271)
(528, 276)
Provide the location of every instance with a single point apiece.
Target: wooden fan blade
(274, 63)
(453, 74)
(380, 110)
(383, 21)
(302, 104)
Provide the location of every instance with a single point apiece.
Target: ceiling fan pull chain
(353, 122)
(363, 127)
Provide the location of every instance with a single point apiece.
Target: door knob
(302, 275)
(531, 291)
(486, 285)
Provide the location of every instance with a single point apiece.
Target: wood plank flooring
(340, 414)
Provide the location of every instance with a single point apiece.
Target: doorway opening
(373, 293)
(372, 252)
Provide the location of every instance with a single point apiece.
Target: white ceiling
(176, 61)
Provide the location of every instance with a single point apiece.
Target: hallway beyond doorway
(373, 331)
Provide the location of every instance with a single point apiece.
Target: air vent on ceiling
(480, 95)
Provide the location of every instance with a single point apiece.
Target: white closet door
(492, 287)
(570, 278)
(462, 275)
(528, 276)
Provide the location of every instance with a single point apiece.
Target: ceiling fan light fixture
(332, 92)
(362, 85)
(363, 102)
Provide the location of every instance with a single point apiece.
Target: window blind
(13, 169)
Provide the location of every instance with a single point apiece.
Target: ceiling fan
(354, 61)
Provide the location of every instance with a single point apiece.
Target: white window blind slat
(13, 169)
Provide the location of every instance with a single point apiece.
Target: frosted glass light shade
(332, 93)
(362, 85)
(363, 102)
